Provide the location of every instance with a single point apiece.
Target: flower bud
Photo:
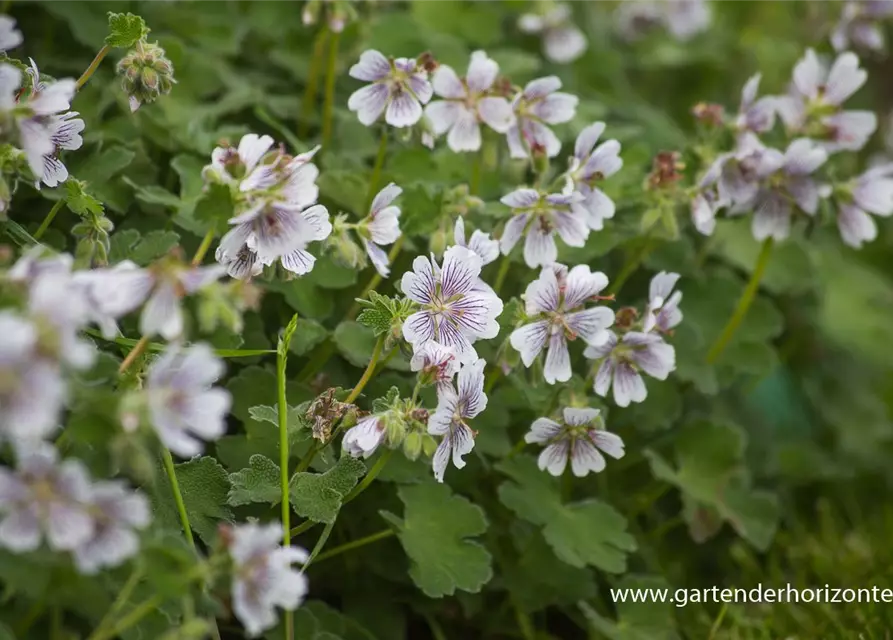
(429, 445)
(395, 428)
(412, 445)
(345, 250)
(145, 74)
(438, 242)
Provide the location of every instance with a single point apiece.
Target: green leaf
(258, 483)
(636, 620)
(129, 244)
(318, 496)
(297, 425)
(125, 30)
(435, 532)
(204, 484)
(79, 201)
(355, 342)
(215, 206)
(308, 334)
(582, 533)
(710, 470)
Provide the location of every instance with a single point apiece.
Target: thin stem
(367, 374)
(376, 169)
(518, 448)
(718, 622)
(301, 528)
(503, 272)
(355, 544)
(203, 247)
(524, 624)
(744, 303)
(49, 219)
(329, 105)
(310, 91)
(631, 265)
(135, 353)
(367, 480)
(415, 391)
(323, 538)
(136, 614)
(135, 576)
(281, 361)
(178, 496)
(376, 279)
(93, 66)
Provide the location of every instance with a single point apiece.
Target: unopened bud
(626, 317)
(438, 242)
(145, 74)
(427, 62)
(429, 445)
(412, 445)
(708, 113)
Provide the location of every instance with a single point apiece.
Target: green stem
(281, 361)
(49, 219)
(376, 279)
(503, 272)
(631, 265)
(136, 614)
(718, 622)
(329, 105)
(518, 448)
(744, 303)
(178, 496)
(524, 623)
(323, 538)
(415, 391)
(376, 169)
(310, 91)
(93, 66)
(135, 576)
(367, 480)
(355, 544)
(203, 247)
(301, 528)
(367, 374)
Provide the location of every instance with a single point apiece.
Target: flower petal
(372, 66)
(529, 340)
(369, 102)
(558, 360)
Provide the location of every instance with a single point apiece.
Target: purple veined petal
(586, 140)
(482, 72)
(571, 228)
(369, 102)
(462, 443)
(363, 439)
(772, 218)
(475, 315)
(404, 110)
(564, 44)
(451, 336)
(378, 257)
(850, 130)
(521, 198)
(703, 215)
(564, 199)
(252, 148)
(855, 226)
(68, 526)
(441, 420)
(514, 230)
(543, 295)
(459, 232)
(465, 134)
(530, 340)
(760, 117)
(608, 442)
(37, 142)
(806, 194)
(809, 75)
(300, 188)
(421, 87)
(419, 284)
(484, 246)
(541, 87)
(55, 98)
(54, 172)
(554, 457)
(460, 270)
(874, 193)
(580, 285)
(441, 458)
(496, 113)
(67, 130)
(542, 430)
(299, 262)
(802, 157)
(628, 385)
(442, 115)
(658, 360)
(539, 247)
(580, 417)
(585, 458)
(470, 383)
(316, 224)
(517, 149)
(669, 316)
(536, 133)
(20, 531)
(419, 328)
(595, 208)
(844, 78)
(556, 108)
(447, 84)
(372, 66)
(558, 360)
(162, 314)
(661, 286)
(384, 198)
(603, 377)
(604, 161)
(590, 324)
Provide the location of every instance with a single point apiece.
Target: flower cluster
(682, 18)
(563, 41)
(379, 228)
(860, 26)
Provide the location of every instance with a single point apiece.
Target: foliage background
(787, 439)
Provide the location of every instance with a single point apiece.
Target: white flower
(10, 37)
(466, 103)
(401, 86)
(480, 243)
(162, 288)
(753, 114)
(682, 18)
(871, 193)
(562, 40)
(184, 407)
(62, 309)
(45, 497)
(579, 437)
(119, 511)
(242, 164)
(436, 365)
(381, 227)
(538, 105)
(364, 438)
(454, 312)
(704, 207)
(859, 25)
(589, 165)
(622, 360)
(555, 302)
(263, 576)
(663, 303)
(450, 418)
(242, 265)
(539, 216)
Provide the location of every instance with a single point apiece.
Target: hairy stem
(178, 496)
(329, 105)
(376, 169)
(310, 91)
(744, 303)
(135, 353)
(49, 219)
(355, 544)
(281, 361)
(93, 67)
(367, 374)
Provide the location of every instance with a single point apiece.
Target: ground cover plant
(442, 319)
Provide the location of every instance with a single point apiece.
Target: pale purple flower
(756, 115)
(184, 406)
(663, 303)
(589, 165)
(263, 576)
(363, 438)
(555, 302)
(562, 39)
(119, 513)
(736, 175)
(480, 242)
(467, 103)
(44, 497)
(859, 25)
(870, 193)
(682, 18)
(242, 164)
(537, 106)
(819, 89)
(686, 18)
(580, 438)
(400, 86)
(539, 216)
(10, 37)
(454, 409)
(623, 360)
(381, 227)
(161, 288)
(436, 365)
(704, 207)
(454, 311)
(61, 308)
(243, 264)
